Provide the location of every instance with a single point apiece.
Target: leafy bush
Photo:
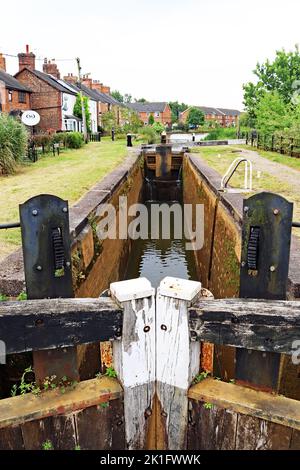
(73, 140)
(222, 133)
(158, 127)
(149, 134)
(13, 143)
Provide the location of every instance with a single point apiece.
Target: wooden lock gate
(156, 341)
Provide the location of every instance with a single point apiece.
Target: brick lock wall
(45, 100)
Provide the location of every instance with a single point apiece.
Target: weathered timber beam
(54, 323)
(262, 325)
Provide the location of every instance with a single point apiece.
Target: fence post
(178, 360)
(134, 357)
(272, 143)
(266, 238)
(47, 265)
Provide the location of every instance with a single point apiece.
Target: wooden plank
(58, 431)
(256, 434)
(54, 323)
(178, 359)
(30, 407)
(211, 428)
(295, 441)
(245, 323)
(275, 408)
(11, 438)
(134, 356)
(101, 427)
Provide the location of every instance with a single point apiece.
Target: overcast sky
(196, 51)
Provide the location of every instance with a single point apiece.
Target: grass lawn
(220, 158)
(68, 176)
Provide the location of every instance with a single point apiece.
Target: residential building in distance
(160, 111)
(14, 95)
(224, 117)
(53, 101)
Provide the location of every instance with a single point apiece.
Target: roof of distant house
(92, 93)
(12, 83)
(217, 111)
(148, 107)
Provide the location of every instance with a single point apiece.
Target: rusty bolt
(65, 209)
(243, 264)
(146, 329)
(276, 211)
(39, 267)
(39, 322)
(34, 212)
(272, 269)
(163, 327)
(164, 414)
(148, 412)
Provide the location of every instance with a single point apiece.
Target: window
(22, 97)
(10, 96)
(157, 114)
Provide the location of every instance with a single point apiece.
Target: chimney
(51, 68)
(2, 63)
(87, 81)
(26, 59)
(105, 89)
(71, 78)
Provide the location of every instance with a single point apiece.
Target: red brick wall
(8, 106)
(165, 117)
(45, 100)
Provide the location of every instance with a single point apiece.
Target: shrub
(222, 133)
(158, 127)
(42, 139)
(149, 134)
(13, 143)
(73, 140)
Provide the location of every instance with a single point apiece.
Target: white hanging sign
(30, 118)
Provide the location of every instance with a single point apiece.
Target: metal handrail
(231, 170)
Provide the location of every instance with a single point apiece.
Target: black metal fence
(283, 145)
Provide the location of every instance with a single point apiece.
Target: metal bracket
(46, 247)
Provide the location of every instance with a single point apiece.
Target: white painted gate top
(132, 289)
(182, 289)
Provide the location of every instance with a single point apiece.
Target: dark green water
(156, 259)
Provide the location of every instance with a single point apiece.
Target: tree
(151, 120)
(118, 96)
(109, 120)
(195, 117)
(273, 114)
(141, 100)
(281, 76)
(176, 109)
(158, 127)
(132, 120)
(77, 110)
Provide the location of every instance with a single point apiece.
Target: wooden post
(134, 357)
(178, 360)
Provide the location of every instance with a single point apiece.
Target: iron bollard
(113, 134)
(129, 140)
(163, 138)
(193, 137)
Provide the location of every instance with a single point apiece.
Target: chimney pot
(27, 49)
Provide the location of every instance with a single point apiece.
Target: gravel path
(282, 172)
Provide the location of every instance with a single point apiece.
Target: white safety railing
(230, 172)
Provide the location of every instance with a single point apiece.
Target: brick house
(224, 117)
(53, 101)
(14, 96)
(160, 111)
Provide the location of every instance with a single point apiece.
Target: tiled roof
(51, 80)
(230, 112)
(148, 107)
(11, 83)
(217, 111)
(93, 93)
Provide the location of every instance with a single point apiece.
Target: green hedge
(13, 143)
